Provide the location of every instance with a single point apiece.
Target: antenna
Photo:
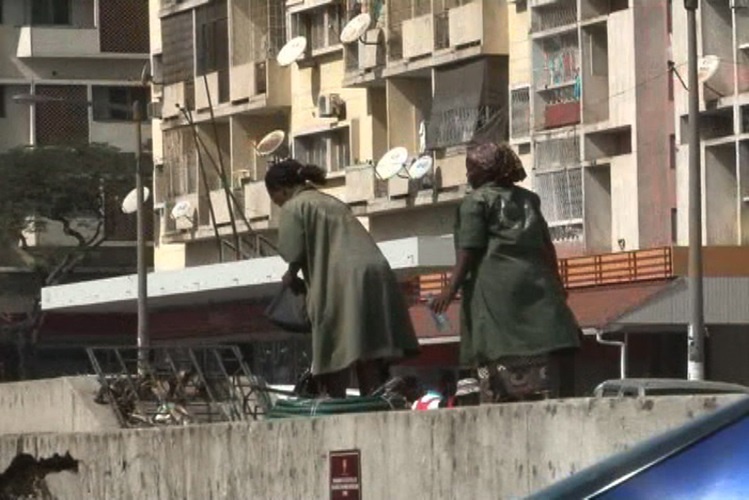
(292, 51)
(391, 163)
(130, 203)
(270, 143)
(420, 167)
(707, 66)
(183, 209)
(356, 28)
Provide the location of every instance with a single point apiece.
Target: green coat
(354, 302)
(513, 303)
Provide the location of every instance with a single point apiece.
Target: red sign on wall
(345, 475)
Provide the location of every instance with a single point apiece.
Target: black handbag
(288, 309)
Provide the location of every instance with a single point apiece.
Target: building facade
(82, 59)
(723, 48)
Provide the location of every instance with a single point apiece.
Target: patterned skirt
(515, 378)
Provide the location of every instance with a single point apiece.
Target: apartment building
(339, 106)
(591, 97)
(723, 47)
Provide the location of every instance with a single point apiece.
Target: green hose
(299, 407)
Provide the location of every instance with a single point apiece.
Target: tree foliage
(60, 184)
(63, 186)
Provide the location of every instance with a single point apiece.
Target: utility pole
(143, 337)
(696, 335)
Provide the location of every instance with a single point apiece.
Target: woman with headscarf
(514, 315)
(359, 316)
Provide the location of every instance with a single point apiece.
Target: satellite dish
(391, 163)
(707, 67)
(420, 167)
(182, 209)
(355, 28)
(270, 143)
(130, 203)
(291, 51)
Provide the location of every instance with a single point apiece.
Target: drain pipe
(622, 345)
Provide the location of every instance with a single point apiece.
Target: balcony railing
(579, 272)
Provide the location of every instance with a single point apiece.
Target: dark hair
(498, 160)
(291, 173)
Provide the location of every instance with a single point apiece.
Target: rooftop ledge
(227, 281)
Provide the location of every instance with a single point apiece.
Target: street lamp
(143, 335)
(696, 335)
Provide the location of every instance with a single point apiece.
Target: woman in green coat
(514, 315)
(359, 316)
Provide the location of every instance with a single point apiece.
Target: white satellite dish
(707, 67)
(291, 51)
(130, 203)
(270, 142)
(355, 28)
(391, 163)
(420, 167)
(182, 209)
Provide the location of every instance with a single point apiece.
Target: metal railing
(578, 272)
(177, 385)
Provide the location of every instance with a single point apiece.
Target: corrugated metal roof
(596, 307)
(726, 303)
(599, 306)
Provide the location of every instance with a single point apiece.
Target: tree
(54, 189)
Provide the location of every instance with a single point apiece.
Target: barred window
(116, 103)
(321, 25)
(328, 150)
(520, 107)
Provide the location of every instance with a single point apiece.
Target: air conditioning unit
(372, 53)
(331, 106)
(154, 109)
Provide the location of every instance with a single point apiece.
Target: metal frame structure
(178, 385)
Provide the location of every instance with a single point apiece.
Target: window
(521, 112)
(321, 25)
(599, 52)
(2, 101)
(328, 150)
(116, 103)
(50, 12)
(674, 226)
(212, 38)
(672, 151)
(670, 16)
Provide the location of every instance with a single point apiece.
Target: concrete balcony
(260, 84)
(64, 42)
(257, 203)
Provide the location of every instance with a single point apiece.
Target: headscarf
(499, 161)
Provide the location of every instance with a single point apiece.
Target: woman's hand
(288, 278)
(441, 303)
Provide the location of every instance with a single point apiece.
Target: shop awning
(226, 282)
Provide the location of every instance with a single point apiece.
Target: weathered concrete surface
(63, 404)
(496, 451)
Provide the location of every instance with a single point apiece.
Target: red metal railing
(579, 272)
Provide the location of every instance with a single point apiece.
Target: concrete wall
(494, 451)
(63, 404)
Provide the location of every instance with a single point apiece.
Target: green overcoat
(513, 304)
(355, 304)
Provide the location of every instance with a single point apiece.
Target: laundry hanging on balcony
(469, 104)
